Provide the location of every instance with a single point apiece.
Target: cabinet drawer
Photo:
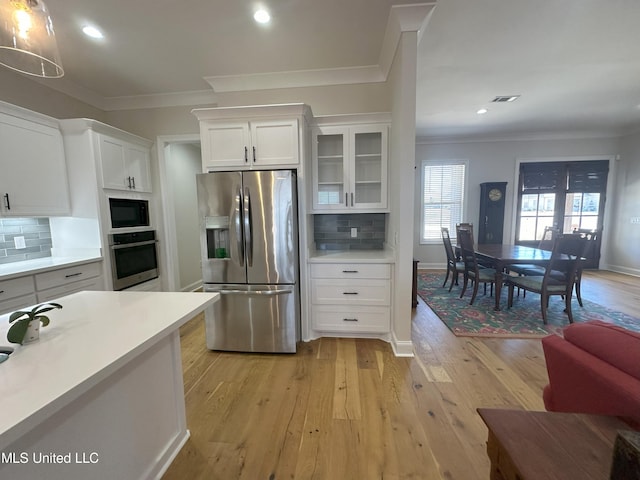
(57, 278)
(17, 303)
(351, 319)
(345, 292)
(16, 287)
(351, 270)
(95, 283)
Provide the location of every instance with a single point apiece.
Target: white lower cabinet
(28, 290)
(65, 281)
(351, 298)
(16, 293)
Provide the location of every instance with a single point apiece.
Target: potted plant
(26, 323)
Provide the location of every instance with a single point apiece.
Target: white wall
(183, 163)
(495, 161)
(624, 242)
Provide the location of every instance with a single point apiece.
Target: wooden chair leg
(464, 286)
(567, 307)
(510, 296)
(544, 303)
(454, 278)
(446, 277)
(476, 284)
(578, 282)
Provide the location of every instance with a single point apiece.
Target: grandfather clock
(491, 222)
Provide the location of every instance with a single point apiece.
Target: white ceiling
(575, 63)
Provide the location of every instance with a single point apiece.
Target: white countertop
(361, 256)
(39, 265)
(94, 334)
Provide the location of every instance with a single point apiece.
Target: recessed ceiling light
(482, 111)
(262, 16)
(93, 32)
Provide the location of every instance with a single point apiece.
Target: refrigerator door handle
(238, 225)
(254, 292)
(248, 238)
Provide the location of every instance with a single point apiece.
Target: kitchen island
(100, 394)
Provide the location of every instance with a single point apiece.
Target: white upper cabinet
(33, 172)
(350, 168)
(125, 165)
(250, 137)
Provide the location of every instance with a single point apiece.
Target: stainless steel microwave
(128, 213)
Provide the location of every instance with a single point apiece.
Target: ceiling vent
(505, 98)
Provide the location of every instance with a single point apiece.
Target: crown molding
(297, 78)
(174, 99)
(516, 137)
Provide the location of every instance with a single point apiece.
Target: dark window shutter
(588, 176)
(542, 176)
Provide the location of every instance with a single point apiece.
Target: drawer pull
(349, 271)
(73, 275)
(349, 319)
(350, 293)
(1, 291)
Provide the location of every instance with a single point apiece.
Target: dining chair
(546, 243)
(454, 267)
(566, 255)
(463, 226)
(590, 256)
(472, 270)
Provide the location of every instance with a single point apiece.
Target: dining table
(499, 256)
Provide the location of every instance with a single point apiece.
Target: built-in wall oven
(134, 258)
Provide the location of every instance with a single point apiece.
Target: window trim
(465, 190)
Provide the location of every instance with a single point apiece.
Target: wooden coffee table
(526, 445)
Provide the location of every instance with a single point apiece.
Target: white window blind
(443, 186)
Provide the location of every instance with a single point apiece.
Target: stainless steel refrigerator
(249, 240)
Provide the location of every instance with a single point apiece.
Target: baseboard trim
(620, 269)
(401, 348)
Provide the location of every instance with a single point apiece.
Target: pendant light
(27, 41)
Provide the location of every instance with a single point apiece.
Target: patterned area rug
(523, 320)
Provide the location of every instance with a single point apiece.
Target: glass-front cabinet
(350, 168)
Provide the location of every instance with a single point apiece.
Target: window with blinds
(443, 186)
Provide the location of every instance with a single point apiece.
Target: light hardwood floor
(348, 409)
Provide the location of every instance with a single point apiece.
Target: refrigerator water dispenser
(217, 229)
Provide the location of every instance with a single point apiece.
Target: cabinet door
(33, 181)
(224, 145)
(138, 168)
(274, 142)
(330, 169)
(368, 167)
(112, 158)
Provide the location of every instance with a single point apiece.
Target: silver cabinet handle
(73, 275)
(246, 154)
(349, 271)
(254, 154)
(6, 200)
(349, 319)
(352, 199)
(133, 182)
(350, 293)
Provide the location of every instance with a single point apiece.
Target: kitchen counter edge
(40, 265)
(360, 256)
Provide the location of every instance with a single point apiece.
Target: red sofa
(594, 369)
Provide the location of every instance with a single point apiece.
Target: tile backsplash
(333, 232)
(37, 239)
